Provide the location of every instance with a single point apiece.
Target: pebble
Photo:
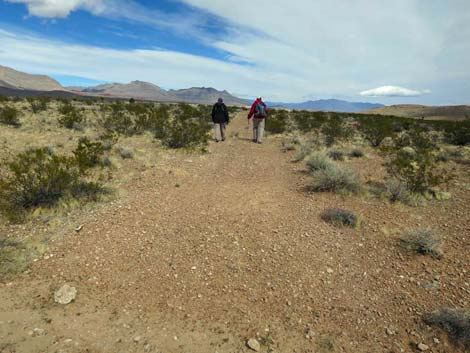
(389, 332)
(137, 339)
(253, 344)
(65, 295)
(422, 347)
(329, 270)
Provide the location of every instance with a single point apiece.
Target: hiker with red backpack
(259, 112)
(220, 118)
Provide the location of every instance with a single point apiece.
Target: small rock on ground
(65, 295)
(253, 344)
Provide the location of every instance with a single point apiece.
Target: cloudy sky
(401, 51)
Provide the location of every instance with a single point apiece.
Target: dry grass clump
(341, 217)
(455, 322)
(318, 161)
(337, 179)
(336, 155)
(302, 152)
(125, 153)
(423, 241)
(397, 191)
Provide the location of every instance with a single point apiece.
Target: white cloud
(62, 8)
(393, 91)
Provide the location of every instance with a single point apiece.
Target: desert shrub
(341, 217)
(318, 161)
(288, 146)
(70, 117)
(4, 98)
(39, 178)
(337, 179)
(120, 122)
(455, 322)
(423, 241)
(336, 155)
(307, 121)
(397, 191)
(277, 122)
(375, 129)
(131, 101)
(302, 151)
(88, 154)
(188, 129)
(412, 160)
(9, 116)
(38, 104)
(443, 156)
(108, 140)
(356, 153)
(335, 129)
(154, 120)
(125, 153)
(457, 133)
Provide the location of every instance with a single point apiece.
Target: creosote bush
(456, 322)
(38, 104)
(9, 116)
(423, 241)
(40, 178)
(277, 121)
(336, 179)
(70, 117)
(341, 217)
(88, 154)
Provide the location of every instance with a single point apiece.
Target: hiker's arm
(252, 111)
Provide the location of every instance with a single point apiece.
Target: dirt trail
(204, 251)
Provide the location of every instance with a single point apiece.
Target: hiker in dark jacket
(220, 118)
(260, 112)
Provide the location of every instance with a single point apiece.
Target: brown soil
(198, 253)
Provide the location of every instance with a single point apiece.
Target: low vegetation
(40, 178)
(423, 241)
(341, 217)
(453, 321)
(337, 179)
(9, 116)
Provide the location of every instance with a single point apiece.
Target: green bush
(38, 104)
(423, 241)
(375, 129)
(119, 122)
(341, 217)
(88, 154)
(10, 116)
(277, 122)
(39, 178)
(456, 322)
(70, 118)
(335, 129)
(307, 121)
(336, 179)
(412, 159)
(4, 98)
(457, 133)
(189, 128)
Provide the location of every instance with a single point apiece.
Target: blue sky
(408, 51)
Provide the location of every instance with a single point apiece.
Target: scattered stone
(389, 332)
(37, 332)
(329, 270)
(137, 339)
(253, 344)
(79, 228)
(422, 347)
(65, 295)
(148, 348)
(436, 340)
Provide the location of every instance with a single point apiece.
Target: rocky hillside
(148, 91)
(13, 79)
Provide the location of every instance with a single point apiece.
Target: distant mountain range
(18, 83)
(330, 105)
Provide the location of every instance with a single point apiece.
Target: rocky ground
(204, 252)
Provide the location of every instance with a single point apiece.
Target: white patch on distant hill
(392, 91)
